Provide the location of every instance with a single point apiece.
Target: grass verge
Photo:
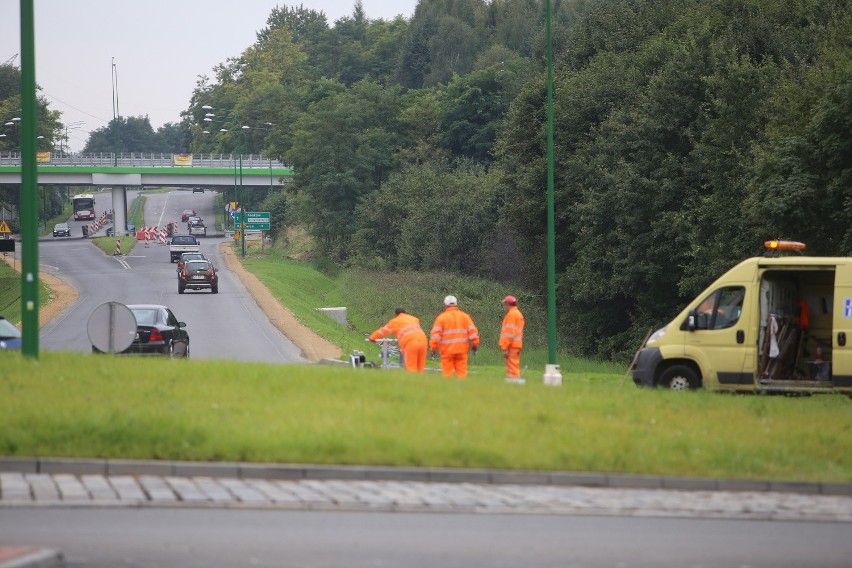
(371, 297)
(130, 407)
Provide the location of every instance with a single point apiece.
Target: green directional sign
(255, 220)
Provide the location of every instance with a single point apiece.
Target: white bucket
(552, 375)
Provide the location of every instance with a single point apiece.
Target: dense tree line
(686, 132)
(134, 134)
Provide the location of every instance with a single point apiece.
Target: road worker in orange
(412, 340)
(453, 333)
(512, 339)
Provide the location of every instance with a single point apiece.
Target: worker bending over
(409, 334)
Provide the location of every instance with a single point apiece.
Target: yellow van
(770, 324)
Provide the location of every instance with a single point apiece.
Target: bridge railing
(249, 161)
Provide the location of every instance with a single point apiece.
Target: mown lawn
(78, 405)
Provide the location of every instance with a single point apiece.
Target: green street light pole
(551, 222)
(29, 181)
(243, 213)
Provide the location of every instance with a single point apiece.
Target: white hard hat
(451, 301)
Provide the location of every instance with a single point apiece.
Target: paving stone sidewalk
(19, 489)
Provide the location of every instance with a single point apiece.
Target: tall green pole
(29, 185)
(551, 223)
(242, 209)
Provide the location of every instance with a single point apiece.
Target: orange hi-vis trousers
(414, 356)
(454, 363)
(513, 363)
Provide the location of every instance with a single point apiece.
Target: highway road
(228, 325)
(229, 538)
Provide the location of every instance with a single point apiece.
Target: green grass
(75, 405)
(371, 297)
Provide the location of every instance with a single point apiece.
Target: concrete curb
(242, 470)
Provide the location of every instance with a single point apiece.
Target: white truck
(181, 244)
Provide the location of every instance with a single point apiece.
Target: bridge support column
(119, 209)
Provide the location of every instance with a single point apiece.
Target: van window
(721, 309)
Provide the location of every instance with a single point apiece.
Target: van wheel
(679, 377)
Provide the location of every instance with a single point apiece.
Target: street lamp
(238, 196)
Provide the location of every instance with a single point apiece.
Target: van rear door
(841, 355)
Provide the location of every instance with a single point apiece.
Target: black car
(62, 230)
(197, 190)
(198, 275)
(158, 332)
(10, 336)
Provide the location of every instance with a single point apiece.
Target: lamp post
(29, 181)
(15, 124)
(210, 117)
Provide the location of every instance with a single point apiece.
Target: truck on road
(181, 244)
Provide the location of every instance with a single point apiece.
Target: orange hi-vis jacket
(453, 332)
(406, 328)
(512, 332)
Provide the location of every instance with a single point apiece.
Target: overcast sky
(160, 48)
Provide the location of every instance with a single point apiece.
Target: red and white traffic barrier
(117, 247)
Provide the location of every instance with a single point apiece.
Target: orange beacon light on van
(784, 245)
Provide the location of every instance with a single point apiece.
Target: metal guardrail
(249, 161)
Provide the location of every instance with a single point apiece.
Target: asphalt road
(228, 325)
(180, 538)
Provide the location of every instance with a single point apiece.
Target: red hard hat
(511, 300)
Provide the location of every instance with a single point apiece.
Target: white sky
(160, 48)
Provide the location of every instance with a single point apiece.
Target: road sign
(255, 220)
(4, 227)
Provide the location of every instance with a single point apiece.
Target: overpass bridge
(146, 170)
(120, 171)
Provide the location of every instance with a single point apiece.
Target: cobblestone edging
(95, 490)
(127, 483)
(242, 470)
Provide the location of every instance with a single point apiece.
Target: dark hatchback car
(62, 230)
(10, 336)
(158, 332)
(198, 275)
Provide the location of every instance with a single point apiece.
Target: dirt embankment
(312, 345)
(62, 295)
